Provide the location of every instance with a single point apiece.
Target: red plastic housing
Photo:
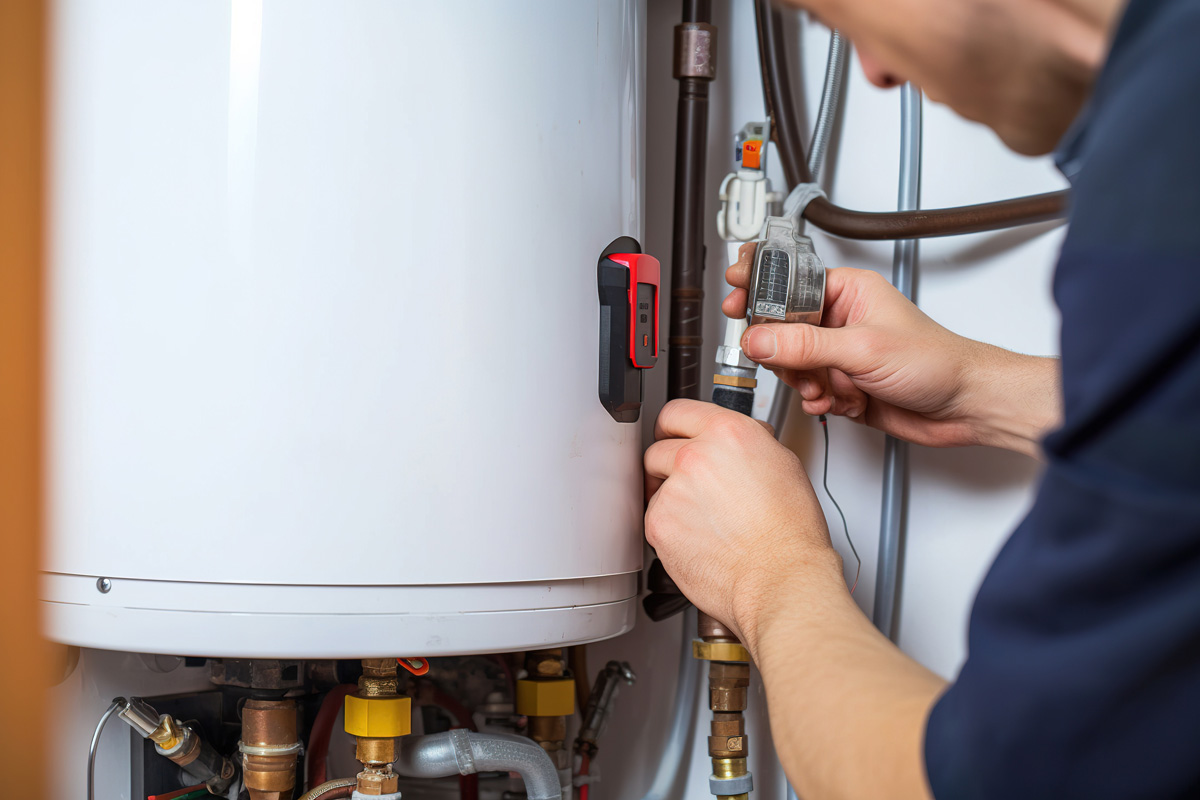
(642, 269)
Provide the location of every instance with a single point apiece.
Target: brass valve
(547, 697)
(376, 715)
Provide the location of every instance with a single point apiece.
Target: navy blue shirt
(1083, 673)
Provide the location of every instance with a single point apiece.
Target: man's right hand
(879, 359)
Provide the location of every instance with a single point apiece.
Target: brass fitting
(727, 686)
(270, 746)
(375, 715)
(720, 651)
(547, 697)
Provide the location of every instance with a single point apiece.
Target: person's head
(1022, 67)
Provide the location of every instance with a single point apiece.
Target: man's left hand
(732, 514)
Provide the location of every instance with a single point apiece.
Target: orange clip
(752, 153)
(417, 666)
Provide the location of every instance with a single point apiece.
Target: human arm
(735, 520)
(879, 359)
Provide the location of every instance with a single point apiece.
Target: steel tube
(895, 455)
(463, 752)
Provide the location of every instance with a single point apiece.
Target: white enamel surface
(323, 303)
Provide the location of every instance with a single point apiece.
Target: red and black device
(628, 281)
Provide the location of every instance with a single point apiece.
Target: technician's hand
(878, 359)
(731, 513)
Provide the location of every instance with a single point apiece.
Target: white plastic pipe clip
(744, 200)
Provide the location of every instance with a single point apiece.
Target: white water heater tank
(324, 326)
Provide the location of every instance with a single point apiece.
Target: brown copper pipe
(833, 219)
(687, 241)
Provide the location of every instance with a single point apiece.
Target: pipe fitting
(269, 746)
(695, 51)
(180, 744)
(462, 752)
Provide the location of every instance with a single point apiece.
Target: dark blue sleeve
(1083, 672)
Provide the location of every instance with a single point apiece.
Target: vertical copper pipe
(25, 667)
(687, 241)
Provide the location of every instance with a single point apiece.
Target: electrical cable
(845, 527)
(585, 764)
(117, 704)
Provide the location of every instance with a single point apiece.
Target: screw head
(104, 585)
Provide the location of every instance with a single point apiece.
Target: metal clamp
(695, 51)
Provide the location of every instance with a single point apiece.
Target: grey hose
(831, 102)
(683, 716)
(463, 752)
(895, 454)
(117, 704)
(827, 114)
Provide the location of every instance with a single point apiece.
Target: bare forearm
(1014, 399)
(847, 708)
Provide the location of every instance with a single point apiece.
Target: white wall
(990, 286)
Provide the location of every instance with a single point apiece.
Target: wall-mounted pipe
(695, 67)
(462, 752)
(895, 454)
(850, 224)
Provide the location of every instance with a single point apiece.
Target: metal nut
(377, 782)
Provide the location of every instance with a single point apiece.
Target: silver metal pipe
(117, 704)
(895, 454)
(463, 752)
(683, 716)
(831, 103)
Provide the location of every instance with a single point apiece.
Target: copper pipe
(579, 669)
(844, 222)
(694, 73)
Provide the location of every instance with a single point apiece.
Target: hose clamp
(731, 786)
(460, 740)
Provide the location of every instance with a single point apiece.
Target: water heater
(325, 326)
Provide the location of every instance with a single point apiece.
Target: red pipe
(322, 730)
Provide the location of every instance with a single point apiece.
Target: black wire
(845, 528)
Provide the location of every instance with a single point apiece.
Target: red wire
(322, 730)
(177, 793)
(584, 765)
